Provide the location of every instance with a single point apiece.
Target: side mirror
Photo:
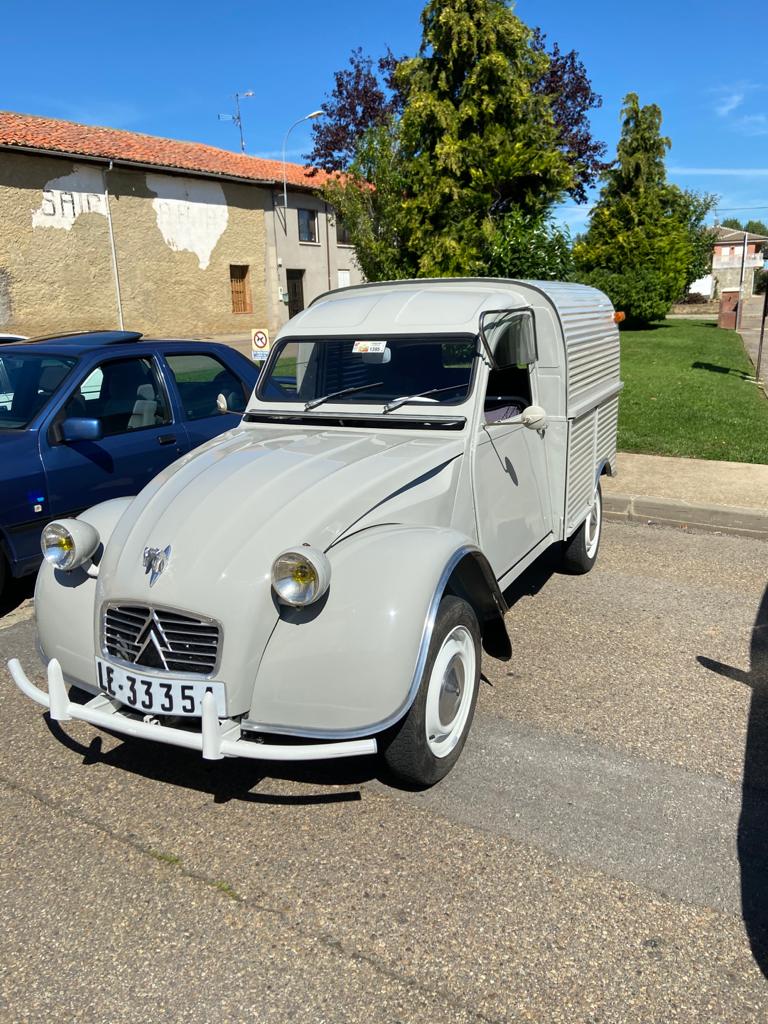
(534, 417)
(79, 429)
(221, 403)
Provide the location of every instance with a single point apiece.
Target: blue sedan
(88, 417)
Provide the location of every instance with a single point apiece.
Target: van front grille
(161, 639)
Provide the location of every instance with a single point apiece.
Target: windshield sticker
(362, 347)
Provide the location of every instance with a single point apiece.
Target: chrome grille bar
(160, 639)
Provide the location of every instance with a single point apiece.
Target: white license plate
(155, 695)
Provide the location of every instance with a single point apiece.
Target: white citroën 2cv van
(319, 582)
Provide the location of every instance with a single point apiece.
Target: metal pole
(741, 282)
(307, 117)
(239, 120)
(762, 335)
(114, 251)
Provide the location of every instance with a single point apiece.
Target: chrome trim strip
(592, 401)
(249, 725)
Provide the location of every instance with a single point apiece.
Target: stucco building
(727, 258)
(106, 228)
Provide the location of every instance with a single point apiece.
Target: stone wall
(175, 238)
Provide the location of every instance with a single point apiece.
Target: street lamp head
(249, 93)
(315, 113)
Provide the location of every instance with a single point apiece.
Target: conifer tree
(647, 239)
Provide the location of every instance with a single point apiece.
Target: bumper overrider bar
(217, 738)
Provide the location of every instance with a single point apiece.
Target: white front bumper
(216, 739)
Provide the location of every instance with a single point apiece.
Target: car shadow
(15, 593)
(230, 778)
(752, 838)
(535, 577)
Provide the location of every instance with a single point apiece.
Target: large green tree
(647, 240)
(469, 166)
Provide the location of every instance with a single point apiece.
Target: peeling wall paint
(191, 215)
(66, 198)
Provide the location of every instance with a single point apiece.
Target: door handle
(166, 439)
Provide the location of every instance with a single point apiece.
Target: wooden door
(295, 280)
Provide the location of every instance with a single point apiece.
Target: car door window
(200, 380)
(508, 393)
(124, 394)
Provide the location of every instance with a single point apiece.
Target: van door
(510, 472)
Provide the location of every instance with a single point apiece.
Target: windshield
(373, 371)
(27, 381)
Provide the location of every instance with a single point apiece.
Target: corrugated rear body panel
(591, 337)
(580, 483)
(591, 443)
(607, 424)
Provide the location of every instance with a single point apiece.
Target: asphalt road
(600, 853)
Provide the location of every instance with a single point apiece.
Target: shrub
(638, 292)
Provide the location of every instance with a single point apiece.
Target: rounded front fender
(64, 604)
(350, 664)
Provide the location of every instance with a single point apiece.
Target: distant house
(727, 256)
(105, 228)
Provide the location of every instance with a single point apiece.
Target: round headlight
(68, 543)
(300, 577)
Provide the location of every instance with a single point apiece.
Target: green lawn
(686, 393)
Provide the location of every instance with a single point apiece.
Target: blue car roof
(85, 342)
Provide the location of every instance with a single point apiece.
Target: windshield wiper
(313, 404)
(397, 402)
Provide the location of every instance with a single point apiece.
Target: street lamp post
(236, 117)
(307, 117)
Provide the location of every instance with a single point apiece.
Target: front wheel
(580, 552)
(424, 746)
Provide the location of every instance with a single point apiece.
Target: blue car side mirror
(79, 429)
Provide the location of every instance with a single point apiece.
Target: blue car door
(139, 436)
(205, 384)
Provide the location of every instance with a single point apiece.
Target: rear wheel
(424, 746)
(580, 552)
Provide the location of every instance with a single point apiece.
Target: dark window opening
(240, 284)
(307, 225)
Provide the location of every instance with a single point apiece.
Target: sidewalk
(724, 497)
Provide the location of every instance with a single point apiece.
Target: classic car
(320, 581)
(90, 416)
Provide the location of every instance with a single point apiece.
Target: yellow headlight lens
(58, 546)
(300, 577)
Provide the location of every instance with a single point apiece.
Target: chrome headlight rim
(68, 544)
(300, 576)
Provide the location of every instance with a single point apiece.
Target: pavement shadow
(530, 582)
(752, 838)
(15, 593)
(228, 779)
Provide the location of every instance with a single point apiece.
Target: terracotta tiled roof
(45, 133)
(735, 236)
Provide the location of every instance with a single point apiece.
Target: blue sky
(168, 68)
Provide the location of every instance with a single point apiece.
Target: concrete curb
(743, 522)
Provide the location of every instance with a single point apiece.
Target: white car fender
(350, 665)
(64, 603)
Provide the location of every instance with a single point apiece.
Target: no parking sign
(259, 345)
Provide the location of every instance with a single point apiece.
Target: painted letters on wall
(66, 198)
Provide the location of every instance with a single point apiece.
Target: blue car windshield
(372, 370)
(27, 381)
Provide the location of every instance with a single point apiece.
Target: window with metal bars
(239, 281)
